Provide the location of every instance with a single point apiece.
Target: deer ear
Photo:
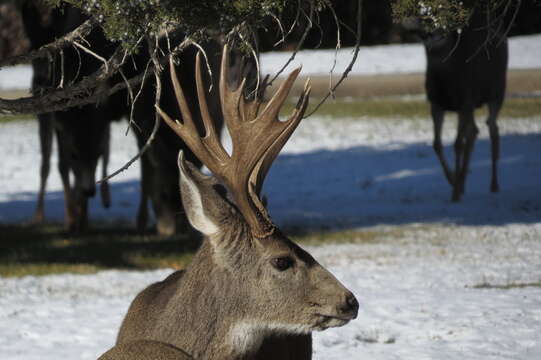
(206, 208)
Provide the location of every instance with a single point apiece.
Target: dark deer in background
(159, 176)
(250, 292)
(465, 71)
(83, 132)
(80, 131)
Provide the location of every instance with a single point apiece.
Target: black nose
(351, 306)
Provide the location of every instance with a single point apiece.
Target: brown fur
(145, 350)
(12, 37)
(231, 303)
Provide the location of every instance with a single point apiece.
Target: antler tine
(256, 144)
(257, 139)
(181, 99)
(273, 107)
(260, 171)
(211, 138)
(230, 100)
(187, 130)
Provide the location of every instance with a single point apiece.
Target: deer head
(268, 284)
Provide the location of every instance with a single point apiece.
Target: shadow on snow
(365, 186)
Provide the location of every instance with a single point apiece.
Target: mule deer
(82, 133)
(250, 292)
(465, 71)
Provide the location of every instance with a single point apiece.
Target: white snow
(417, 293)
(524, 53)
(439, 281)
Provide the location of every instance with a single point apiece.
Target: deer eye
(282, 263)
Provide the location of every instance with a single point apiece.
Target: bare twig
(207, 63)
(309, 18)
(81, 93)
(88, 51)
(86, 91)
(296, 19)
(132, 107)
(455, 46)
(495, 33)
(281, 29)
(256, 59)
(62, 69)
(353, 59)
(79, 65)
(511, 22)
(157, 64)
(80, 32)
(338, 45)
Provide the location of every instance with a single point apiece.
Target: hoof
(456, 196)
(141, 222)
(37, 219)
(105, 195)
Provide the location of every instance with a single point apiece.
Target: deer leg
(104, 187)
(437, 118)
(46, 143)
(493, 110)
(80, 206)
(64, 169)
(142, 212)
(165, 217)
(459, 154)
(470, 135)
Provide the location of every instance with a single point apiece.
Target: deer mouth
(325, 321)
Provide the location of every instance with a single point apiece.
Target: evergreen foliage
(128, 20)
(450, 15)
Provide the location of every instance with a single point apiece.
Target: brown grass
(362, 86)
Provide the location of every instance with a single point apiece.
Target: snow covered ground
(524, 53)
(341, 172)
(424, 295)
(426, 285)
(441, 281)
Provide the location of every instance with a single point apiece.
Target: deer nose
(350, 307)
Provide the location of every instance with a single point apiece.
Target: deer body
(199, 311)
(159, 174)
(464, 73)
(145, 350)
(250, 292)
(82, 133)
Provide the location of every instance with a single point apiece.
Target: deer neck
(205, 316)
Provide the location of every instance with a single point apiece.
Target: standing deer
(159, 176)
(465, 71)
(82, 133)
(250, 292)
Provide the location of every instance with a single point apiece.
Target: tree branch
(87, 91)
(82, 93)
(80, 32)
(157, 64)
(350, 66)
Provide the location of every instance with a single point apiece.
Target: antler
(257, 137)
